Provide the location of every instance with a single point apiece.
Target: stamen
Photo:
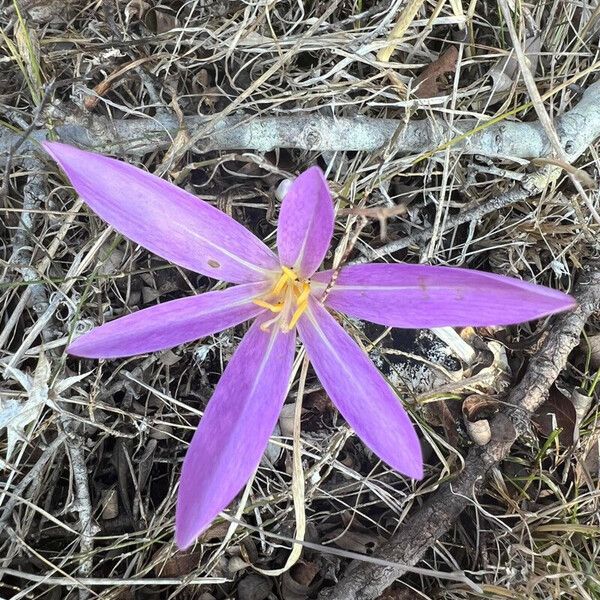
(281, 283)
(288, 294)
(299, 312)
(304, 294)
(290, 273)
(276, 308)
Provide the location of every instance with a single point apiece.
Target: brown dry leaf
(426, 84)
(319, 402)
(300, 581)
(216, 531)
(558, 412)
(156, 20)
(169, 563)
(582, 403)
(159, 21)
(444, 414)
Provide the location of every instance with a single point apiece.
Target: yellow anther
(281, 283)
(299, 312)
(304, 294)
(276, 308)
(290, 273)
(290, 293)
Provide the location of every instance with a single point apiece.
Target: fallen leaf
(582, 403)
(444, 414)
(15, 416)
(558, 412)
(427, 84)
(175, 563)
(160, 21)
(301, 581)
(156, 20)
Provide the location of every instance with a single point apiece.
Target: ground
(481, 153)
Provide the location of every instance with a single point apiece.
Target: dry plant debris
(227, 99)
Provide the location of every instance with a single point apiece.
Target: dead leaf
(175, 563)
(587, 468)
(582, 403)
(444, 414)
(427, 84)
(592, 460)
(16, 416)
(300, 581)
(156, 20)
(136, 9)
(558, 412)
(160, 21)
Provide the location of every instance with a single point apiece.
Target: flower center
(288, 299)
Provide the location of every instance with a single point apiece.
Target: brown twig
(439, 513)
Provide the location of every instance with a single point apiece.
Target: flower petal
(164, 218)
(170, 324)
(235, 429)
(360, 392)
(305, 223)
(416, 296)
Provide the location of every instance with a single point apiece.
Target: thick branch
(577, 129)
(436, 517)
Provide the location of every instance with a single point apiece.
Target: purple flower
(283, 294)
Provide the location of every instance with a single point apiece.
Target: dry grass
(88, 491)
